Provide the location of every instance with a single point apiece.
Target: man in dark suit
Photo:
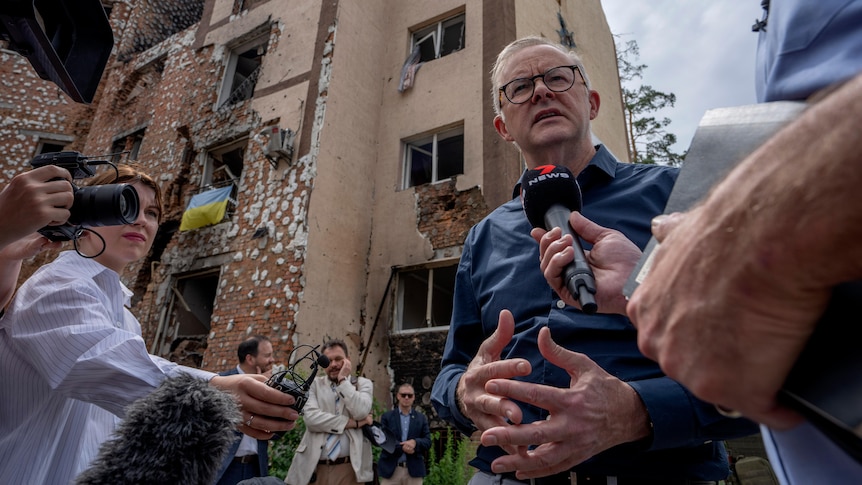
(405, 465)
(248, 457)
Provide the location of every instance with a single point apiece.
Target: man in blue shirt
(406, 464)
(594, 406)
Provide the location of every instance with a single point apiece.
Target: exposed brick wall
(170, 90)
(415, 358)
(153, 21)
(446, 215)
(30, 109)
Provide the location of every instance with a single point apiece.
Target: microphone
(289, 381)
(549, 194)
(179, 433)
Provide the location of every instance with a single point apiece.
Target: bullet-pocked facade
(356, 137)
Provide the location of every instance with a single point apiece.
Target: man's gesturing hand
(484, 409)
(598, 411)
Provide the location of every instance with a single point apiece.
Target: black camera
(290, 382)
(94, 206)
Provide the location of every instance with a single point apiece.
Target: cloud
(701, 51)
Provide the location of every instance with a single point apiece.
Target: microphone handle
(577, 275)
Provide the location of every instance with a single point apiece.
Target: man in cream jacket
(333, 449)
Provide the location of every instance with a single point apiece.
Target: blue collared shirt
(499, 269)
(405, 427)
(807, 46)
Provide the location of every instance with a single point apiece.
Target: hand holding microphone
(291, 382)
(549, 194)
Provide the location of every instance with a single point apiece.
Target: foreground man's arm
(739, 282)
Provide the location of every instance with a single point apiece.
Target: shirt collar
(90, 268)
(602, 168)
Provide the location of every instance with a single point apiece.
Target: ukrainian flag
(206, 208)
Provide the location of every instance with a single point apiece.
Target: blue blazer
(418, 430)
(262, 446)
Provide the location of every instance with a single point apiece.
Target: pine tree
(649, 141)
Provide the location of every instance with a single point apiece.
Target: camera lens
(104, 205)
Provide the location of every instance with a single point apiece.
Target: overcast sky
(700, 50)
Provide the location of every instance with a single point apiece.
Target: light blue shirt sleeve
(803, 455)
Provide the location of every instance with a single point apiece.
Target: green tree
(648, 139)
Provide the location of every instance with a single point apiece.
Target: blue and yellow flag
(206, 208)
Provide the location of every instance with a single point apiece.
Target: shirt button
(561, 304)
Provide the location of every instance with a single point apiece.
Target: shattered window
(425, 297)
(127, 147)
(136, 140)
(440, 39)
(242, 72)
(189, 315)
(224, 164)
(433, 158)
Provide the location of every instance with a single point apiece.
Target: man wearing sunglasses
(405, 465)
(561, 396)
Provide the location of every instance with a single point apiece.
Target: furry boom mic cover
(178, 434)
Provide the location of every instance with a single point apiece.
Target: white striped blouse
(71, 359)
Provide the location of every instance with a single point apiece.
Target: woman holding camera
(72, 356)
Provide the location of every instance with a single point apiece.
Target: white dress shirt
(248, 445)
(71, 359)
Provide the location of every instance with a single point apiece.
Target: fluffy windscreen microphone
(549, 194)
(178, 434)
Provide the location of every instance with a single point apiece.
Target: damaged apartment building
(349, 142)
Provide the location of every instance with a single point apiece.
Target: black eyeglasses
(404, 394)
(557, 79)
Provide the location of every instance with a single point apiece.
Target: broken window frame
(442, 167)
(242, 72)
(127, 144)
(137, 140)
(217, 173)
(179, 302)
(433, 288)
(214, 162)
(434, 40)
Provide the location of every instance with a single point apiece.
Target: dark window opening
(128, 145)
(194, 298)
(440, 39)
(242, 73)
(49, 147)
(425, 297)
(434, 158)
